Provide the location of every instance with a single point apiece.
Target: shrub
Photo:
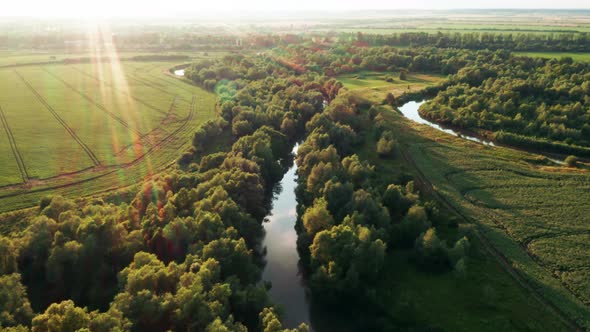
(571, 161)
(403, 75)
(386, 145)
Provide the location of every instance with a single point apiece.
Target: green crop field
(533, 211)
(80, 129)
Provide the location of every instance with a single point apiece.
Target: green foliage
(431, 253)
(571, 161)
(15, 308)
(386, 145)
(317, 217)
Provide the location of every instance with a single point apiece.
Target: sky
(139, 8)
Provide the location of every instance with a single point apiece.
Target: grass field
(533, 212)
(373, 85)
(582, 57)
(81, 129)
(465, 22)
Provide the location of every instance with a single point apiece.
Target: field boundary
(15, 151)
(95, 103)
(72, 133)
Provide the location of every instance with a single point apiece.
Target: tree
(14, 305)
(386, 144)
(571, 161)
(63, 317)
(403, 75)
(8, 256)
(431, 253)
(317, 217)
(390, 99)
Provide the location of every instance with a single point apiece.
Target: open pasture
(83, 128)
(534, 212)
(374, 86)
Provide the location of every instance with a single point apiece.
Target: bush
(386, 145)
(571, 161)
(431, 252)
(403, 75)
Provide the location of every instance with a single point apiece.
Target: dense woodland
(531, 103)
(348, 220)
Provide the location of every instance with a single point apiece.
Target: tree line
(556, 41)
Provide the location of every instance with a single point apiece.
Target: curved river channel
(282, 258)
(410, 111)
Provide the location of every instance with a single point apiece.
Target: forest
(534, 103)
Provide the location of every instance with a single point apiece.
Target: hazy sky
(77, 8)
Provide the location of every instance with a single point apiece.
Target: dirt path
(426, 186)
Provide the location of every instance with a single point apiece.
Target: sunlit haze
(136, 8)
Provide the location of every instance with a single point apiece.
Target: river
(282, 258)
(410, 111)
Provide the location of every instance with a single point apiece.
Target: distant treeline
(555, 42)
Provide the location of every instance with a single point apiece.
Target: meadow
(376, 85)
(80, 129)
(530, 209)
(582, 57)
(465, 22)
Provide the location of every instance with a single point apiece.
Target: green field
(582, 57)
(530, 209)
(80, 129)
(374, 85)
(465, 22)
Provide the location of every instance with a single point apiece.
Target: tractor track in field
(71, 131)
(95, 103)
(15, 151)
(504, 262)
(134, 78)
(119, 91)
(111, 169)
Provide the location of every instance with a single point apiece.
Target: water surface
(282, 258)
(410, 111)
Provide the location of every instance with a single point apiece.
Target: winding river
(282, 258)
(410, 111)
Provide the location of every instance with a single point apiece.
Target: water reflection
(410, 111)
(282, 258)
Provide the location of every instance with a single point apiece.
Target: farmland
(84, 128)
